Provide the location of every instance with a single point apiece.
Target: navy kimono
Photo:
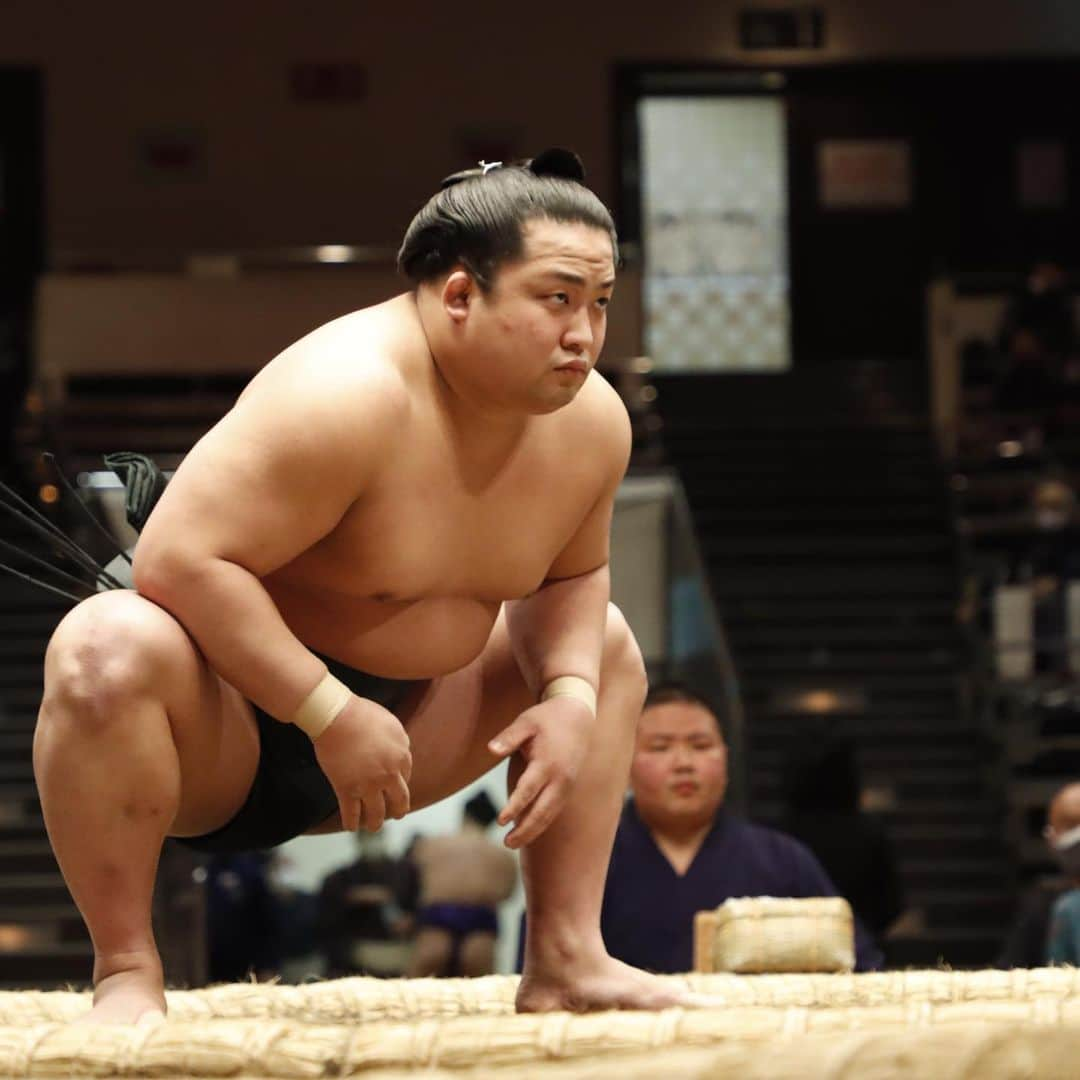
(648, 914)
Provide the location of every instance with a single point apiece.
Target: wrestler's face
(529, 343)
(679, 771)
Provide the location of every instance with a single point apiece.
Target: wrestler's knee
(109, 650)
(623, 667)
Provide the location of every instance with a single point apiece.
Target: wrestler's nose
(578, 336)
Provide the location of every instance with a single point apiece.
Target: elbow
(162, 574)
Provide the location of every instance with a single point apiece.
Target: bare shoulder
(597, 419)
(343, 379)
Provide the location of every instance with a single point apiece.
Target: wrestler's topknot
(476, 218)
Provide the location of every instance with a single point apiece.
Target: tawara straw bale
(771, 934)
(366, 999)
(220, 1048)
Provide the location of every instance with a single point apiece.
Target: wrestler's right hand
(365, 755)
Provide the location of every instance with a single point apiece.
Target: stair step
(957, 909)
(993, 875)
(798, 547)
(62, 962)
(879, 763)
(15, 772)
(923, 611)
(27, 625)
(897, 726)
(37, 888)
(25, 857)
(839, 663)
(946, 841)
(923, 813)
(829, 582)
(41, 913)
(955, 949)
(759, 633)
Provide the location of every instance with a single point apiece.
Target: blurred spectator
(823, 791)
(1063, 946)
(1037, 340)
(677, 851)
(462, 879)
(1028, 943)
(365, 913)
(243, 918)
(1042, 309)
(1037, 546)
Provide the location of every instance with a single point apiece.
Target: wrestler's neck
(476, 415)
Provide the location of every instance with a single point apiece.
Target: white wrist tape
(571, 686)
(319, 708)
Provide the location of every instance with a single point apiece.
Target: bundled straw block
(765, 934)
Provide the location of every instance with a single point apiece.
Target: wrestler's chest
(442, 545)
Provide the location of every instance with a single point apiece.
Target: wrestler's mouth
(579, 366)
(687, 787)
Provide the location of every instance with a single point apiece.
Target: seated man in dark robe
(677, 851)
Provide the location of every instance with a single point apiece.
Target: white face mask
(1067, 849)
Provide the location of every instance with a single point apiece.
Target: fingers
(374, 811)
(397, 798)
(351, 811)
(526, 789)
(512, 738)
(544, 810)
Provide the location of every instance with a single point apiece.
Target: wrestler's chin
(555, 398)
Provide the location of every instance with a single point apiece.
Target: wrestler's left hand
(552, 739)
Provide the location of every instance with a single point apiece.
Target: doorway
(21, 237)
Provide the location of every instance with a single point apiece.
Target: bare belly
(415, 639)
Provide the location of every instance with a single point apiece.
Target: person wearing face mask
(1044, 932)
(1063, 941)
(678, 851)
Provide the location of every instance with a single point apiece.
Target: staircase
(43, 942)
(829, 546)
(42, 939)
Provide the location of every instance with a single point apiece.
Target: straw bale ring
(854, 1024)
(838, 1036)
(366, 999)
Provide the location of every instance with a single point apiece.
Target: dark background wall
(441, 82)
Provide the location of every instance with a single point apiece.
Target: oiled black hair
(669, 692)
(481, 809)
(476, 219)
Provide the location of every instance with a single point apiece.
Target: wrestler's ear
(457, 294)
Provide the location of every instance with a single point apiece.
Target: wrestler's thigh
(119, 649)
(449, 728)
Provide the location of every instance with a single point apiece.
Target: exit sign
(782, 28)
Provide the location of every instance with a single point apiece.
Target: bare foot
(603, 983)
(127, 997)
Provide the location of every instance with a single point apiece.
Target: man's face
(533, 339)
(679, 772)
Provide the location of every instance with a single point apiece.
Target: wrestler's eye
(603, 301)
(561, 297)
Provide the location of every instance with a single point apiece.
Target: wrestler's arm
(272, 478)
(558, 631)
